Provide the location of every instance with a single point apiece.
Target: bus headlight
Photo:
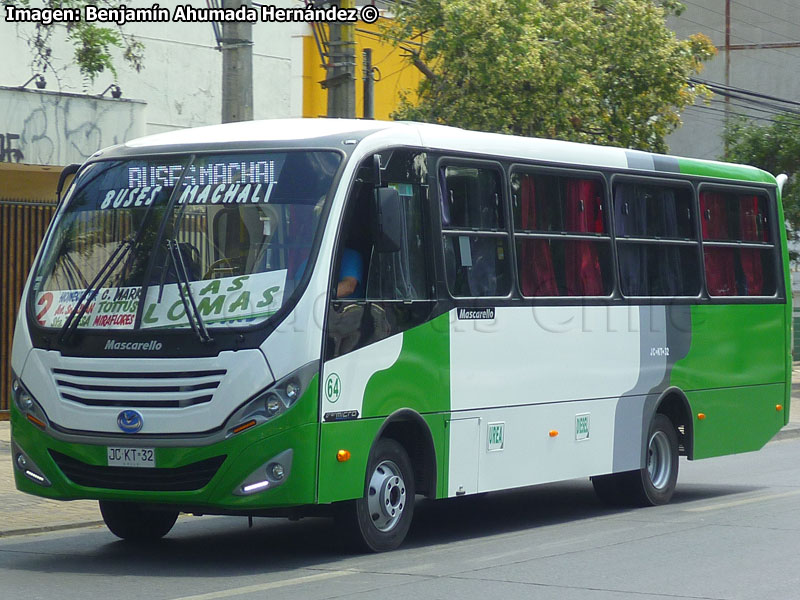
(274, 401)
(26, 404)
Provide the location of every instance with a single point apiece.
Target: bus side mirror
(387, 231)
(65, 173)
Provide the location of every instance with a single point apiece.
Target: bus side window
(475, 241)
(389, 283)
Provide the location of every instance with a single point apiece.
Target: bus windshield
(233, 230)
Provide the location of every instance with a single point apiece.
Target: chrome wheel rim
(659, 460)
(386, 496)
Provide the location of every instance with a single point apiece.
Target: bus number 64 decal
(333, 388)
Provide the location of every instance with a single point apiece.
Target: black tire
(137, 522)
(379, 521)
(653, 484)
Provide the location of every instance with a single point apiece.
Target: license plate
(131, 457)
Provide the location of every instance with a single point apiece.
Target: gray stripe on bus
(639, 160)
(659, 327)
(668, 164)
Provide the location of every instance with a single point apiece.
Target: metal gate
(22, 227)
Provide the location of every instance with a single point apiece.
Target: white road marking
(722, 505)
(261, 587)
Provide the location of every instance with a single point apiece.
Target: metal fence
(22, 227)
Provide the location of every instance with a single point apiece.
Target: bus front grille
(179, 479)
(167, 389)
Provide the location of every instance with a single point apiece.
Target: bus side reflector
(553, 433)
(779, 407)
(36, 421)
(244, 426)
(343, 455)
(701, 416)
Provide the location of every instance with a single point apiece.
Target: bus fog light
(276, 470)
(22, 462)
(27, 467)
(271, 474)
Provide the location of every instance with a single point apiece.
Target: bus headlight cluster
(274, 401)
(26, 404)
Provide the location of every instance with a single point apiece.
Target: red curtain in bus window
(720, 269)
(751, 257)
(536, 272)
(584, 214)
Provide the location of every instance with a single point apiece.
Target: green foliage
(93, 45)
(775, 148)
(598, 71)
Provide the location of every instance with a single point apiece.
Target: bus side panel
(409, 370)
(740, 419)
(737, 355)
(345, 480)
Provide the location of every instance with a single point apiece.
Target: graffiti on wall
(9, 152)
(58, 129)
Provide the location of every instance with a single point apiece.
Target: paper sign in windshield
(231, 301)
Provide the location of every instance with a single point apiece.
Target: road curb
(787, 433)
(49, 528)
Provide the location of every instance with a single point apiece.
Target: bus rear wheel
(137, 522)
(379, 521)
(654, 483)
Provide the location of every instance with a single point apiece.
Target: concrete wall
(48, 128)
(768, 71)
(181, 79)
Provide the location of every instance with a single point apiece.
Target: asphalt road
(731, 531)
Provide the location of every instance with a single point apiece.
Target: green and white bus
(296, 317)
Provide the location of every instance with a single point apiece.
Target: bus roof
(326, 132)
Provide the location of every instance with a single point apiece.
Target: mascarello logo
(152, 345)
(130, 421)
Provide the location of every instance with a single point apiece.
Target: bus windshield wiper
(89, 294)
(184, 289)
(108, 267)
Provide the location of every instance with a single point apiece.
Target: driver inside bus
(351, 275)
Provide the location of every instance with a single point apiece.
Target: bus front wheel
(379, 521)
(654, 483)
(137, 522)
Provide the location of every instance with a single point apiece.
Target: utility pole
(341, 77)
(237, 67)
(369, 85)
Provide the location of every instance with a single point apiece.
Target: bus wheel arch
(409, 429)
(674, 405)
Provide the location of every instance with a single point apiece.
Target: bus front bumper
(238, 474)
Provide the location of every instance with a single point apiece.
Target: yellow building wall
(395, 75)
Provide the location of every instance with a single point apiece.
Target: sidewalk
(21, 513)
